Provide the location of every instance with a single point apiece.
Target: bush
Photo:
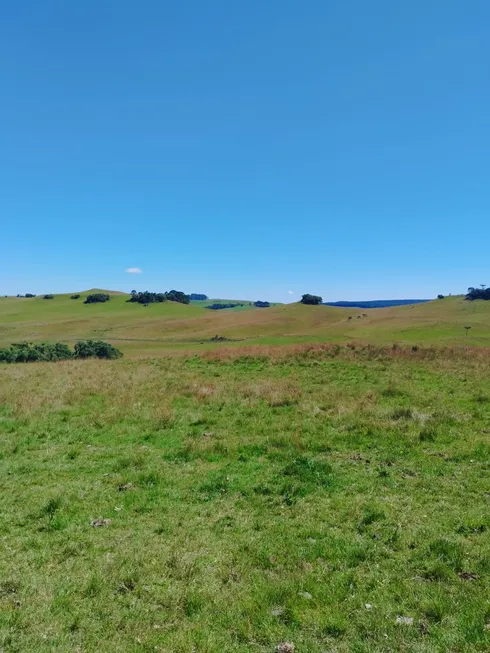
(311, 299)
(48, 296)
(440, 296)
(95, 349)
(220, 307)
(29, 294)
(97, 297)
(28, 352)
(261, 304)
(75, 297)
(197, 297)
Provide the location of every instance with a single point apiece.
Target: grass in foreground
(315, 498)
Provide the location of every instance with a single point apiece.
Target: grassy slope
(137, 329)
(270, 501)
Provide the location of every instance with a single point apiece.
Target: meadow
(160, 329)
(333, 497)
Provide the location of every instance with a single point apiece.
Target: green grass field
(161, 328)
(279, 486)
(331, 497)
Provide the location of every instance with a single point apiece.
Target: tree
(197, 297)
(97, 297)
(311, 299)
(440, 296)
(75, 297)
(478, 293)
(467, 329)
(148, 297)
(48, 296)
(29, 294)
(261, 304)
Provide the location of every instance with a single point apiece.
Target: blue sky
(245, 149)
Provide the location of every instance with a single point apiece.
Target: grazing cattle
(349, 318)
(364, 315)
(358, 317)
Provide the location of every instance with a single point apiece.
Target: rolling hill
(158, 328)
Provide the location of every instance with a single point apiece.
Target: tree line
(147, 297)
(28, 352)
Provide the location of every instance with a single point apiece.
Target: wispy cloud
(134, 270)
(290, 292)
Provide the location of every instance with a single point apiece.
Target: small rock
(126, 486)
(423, 627)
(467, 575)
(407, 621)
(277, 612)
(100, 522)
(305, 595)
(285, 647)
(368, 606)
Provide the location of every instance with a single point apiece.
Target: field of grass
(336, 498)
(159, 328)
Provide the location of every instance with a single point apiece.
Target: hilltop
(169, 325)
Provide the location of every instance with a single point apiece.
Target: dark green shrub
(95, 349)
(97, 297)
(29, 294)
(75, 297)
(48, 296)
(28, 352)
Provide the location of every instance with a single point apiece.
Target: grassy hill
(154, 329)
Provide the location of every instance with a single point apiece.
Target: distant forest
(197, 297)
(377, 303)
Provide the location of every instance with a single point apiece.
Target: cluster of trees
(219, 307)
(28, 352)
(152, 297)
(197, 297)
(95, 298)
(75, 297)
(261, 304)
(311, 299)
(478, 293)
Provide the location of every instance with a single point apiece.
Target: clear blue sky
(245, 149)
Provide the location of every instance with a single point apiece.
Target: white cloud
(290, 292)
(134, 270)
